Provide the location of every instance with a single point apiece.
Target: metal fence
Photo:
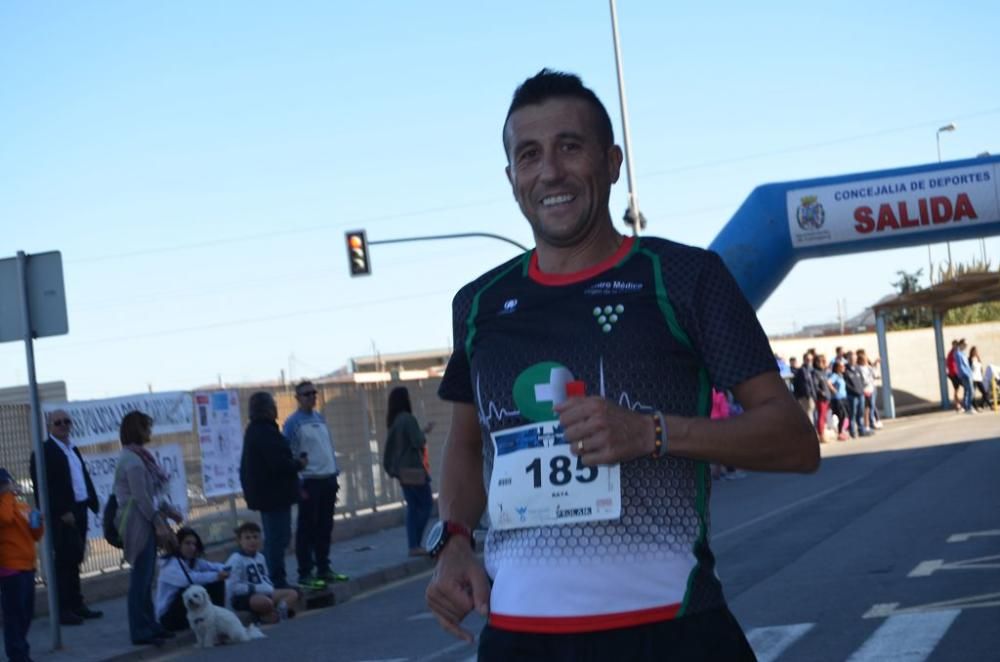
(356, 416)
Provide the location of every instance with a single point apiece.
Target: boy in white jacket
(182, 569)
(249, 587)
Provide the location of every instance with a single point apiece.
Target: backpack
(111, 533)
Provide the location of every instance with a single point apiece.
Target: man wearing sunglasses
(71, 494)
(307, 431)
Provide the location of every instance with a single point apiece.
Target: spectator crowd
(279, 469)
(841, 394)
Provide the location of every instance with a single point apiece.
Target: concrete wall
(912, 357)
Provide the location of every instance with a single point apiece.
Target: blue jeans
(17, 599)
(142, 623)
(419, 501)
(966, 392)
(277, 525)
(856, 412)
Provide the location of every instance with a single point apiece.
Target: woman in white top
(181, 569)
(976, 364)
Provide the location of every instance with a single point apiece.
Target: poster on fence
(96, 421)
(221, 439)
(102, 471)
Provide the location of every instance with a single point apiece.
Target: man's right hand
(458, 586)
(68, 518)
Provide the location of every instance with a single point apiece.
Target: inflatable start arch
(780, 224)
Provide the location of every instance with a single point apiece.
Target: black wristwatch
(442, 532)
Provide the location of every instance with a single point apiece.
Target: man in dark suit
(71, 494)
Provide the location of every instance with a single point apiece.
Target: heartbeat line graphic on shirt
(494, 412)
(623, 400)
(626, 402)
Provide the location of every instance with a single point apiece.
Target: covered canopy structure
(961, 290)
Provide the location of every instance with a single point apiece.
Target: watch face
(434, 536)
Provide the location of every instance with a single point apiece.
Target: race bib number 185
(537, 481)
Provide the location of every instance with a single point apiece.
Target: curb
(340, 593)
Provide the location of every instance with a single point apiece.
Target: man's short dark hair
(247, 527)
(302, 385)
(548, 84)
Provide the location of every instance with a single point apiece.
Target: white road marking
(927, 568)
(971, 602)
(769, 643)
(881, 610)
(449, 650)
(421, 617)
(963, 537)
(906, 637)
(789, 506)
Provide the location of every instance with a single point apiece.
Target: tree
(977, 312)
(906, 317)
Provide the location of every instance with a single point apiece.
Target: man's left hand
(610, 434)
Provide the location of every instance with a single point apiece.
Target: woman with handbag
(406, 460)
(143, 511)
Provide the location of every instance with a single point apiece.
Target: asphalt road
(891, 551)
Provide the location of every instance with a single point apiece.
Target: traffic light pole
(460, 235)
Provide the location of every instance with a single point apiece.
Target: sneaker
(312, 583)
(333, 576)
(842, 436)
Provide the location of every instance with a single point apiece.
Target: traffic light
(357, 253)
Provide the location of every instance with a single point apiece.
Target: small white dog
(211, 624)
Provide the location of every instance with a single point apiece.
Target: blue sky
(198, 162)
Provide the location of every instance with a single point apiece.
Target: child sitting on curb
(249, 587)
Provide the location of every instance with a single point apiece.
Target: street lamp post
(950, 126)
(633, 194)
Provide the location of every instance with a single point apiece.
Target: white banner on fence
(102, 471)
(96, 421)
(221, 440)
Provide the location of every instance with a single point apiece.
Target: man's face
(559, 169)
(306, 397)
(850, 358)
(59, 425)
